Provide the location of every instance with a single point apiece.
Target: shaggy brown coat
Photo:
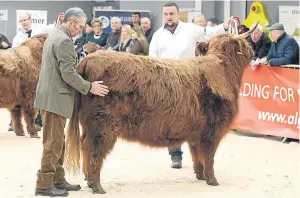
(159, 103)
(19, 74)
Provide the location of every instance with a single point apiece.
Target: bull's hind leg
(93, 158)
(29, 115)
(197, 160)
(16, 116)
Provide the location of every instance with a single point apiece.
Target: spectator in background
(88, 27)
(284, 49)
(114, 37)
(212, 22)
(200, 20)
(97, 36)
(136, 19)
(125, 38)
(4, 43)
(146, 25)
(260, 43)
(26, 33)
(139, 44)
(26, 30)
(79, 40)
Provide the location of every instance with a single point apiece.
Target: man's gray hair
(74, 14)
(259, 28)
(115, 19)
(25, 13)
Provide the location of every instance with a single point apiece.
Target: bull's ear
(202, 48)
(91, 47)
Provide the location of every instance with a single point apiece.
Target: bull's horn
(246, 34)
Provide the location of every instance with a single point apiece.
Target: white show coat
(23, 36)
(182, 43)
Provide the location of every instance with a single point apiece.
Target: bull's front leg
(16, 116)
(207, 151)
(93, 177)
(92, 162)
(97, 143)
(102, 145)
(29, 116)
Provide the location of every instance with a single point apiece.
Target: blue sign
(125, 16)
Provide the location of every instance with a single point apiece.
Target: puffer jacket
(284, 52)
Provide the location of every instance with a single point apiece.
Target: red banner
(269, 102)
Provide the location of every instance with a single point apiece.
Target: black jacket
(4, 39)
(262, 47)
(113, 40)
(79, 43)
(149, 35)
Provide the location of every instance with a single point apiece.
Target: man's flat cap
(277, 26)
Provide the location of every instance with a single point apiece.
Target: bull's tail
(72, 155)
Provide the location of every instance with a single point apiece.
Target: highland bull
(19, 74)
(159, 103)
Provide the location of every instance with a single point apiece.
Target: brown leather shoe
(52, 192)
(67, 186)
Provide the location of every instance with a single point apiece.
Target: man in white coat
(177, 40)
(26, 32)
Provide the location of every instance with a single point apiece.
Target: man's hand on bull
(97, 88)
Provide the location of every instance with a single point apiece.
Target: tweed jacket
(58, 80)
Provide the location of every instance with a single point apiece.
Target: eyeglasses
(96, 26)
(21, 21)
(81, 26)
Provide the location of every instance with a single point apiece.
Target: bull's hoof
(35, 136)
(20, 134)
(96, 187)
(98, 191)
(90, 184)
(200, 176)
(213, 183)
